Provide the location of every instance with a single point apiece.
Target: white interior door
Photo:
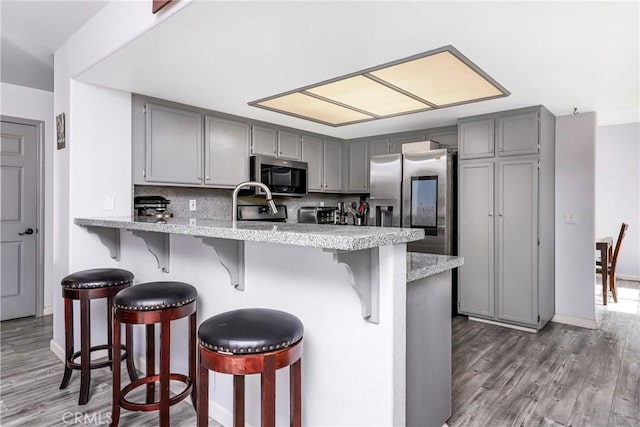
(18, 165)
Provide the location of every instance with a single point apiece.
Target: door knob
(28, 232)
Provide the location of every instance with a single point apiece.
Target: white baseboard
(628, 277)
(506, 325)
(575, 321)
(57, 350)
(47, 310)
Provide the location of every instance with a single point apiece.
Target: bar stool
(84, 286)
(148, 304)
(251, 341)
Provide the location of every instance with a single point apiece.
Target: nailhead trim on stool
(85, 286)
(150, 304)
(251, 341)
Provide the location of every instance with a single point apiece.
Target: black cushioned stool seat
(84, 286)
(148, 304)
(251, 341)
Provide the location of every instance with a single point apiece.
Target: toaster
(317, 215)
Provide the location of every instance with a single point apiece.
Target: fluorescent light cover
(299, 104)
(368, 95)
(442, 79)
(439, 78)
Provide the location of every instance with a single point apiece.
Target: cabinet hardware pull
(207, 178)
(490, 213)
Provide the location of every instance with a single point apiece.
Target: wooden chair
(613, 258)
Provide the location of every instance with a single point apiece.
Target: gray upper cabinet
(359, 166)
(517, 235)
(517, 135)
(476, 236)
(289, 145)
(332, 166)
(264, 141)
(173, 145)
(395, 146)
(312, 148)
(476, 139)
(446, 138)
(226, 145)
(378, 147)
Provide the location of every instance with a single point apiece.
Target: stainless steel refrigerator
(416, 190)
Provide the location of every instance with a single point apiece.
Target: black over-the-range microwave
(283, 177)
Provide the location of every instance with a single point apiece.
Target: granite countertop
(423, 265)
(341, 237)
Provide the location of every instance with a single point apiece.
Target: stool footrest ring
(132, 406)
(95, 365)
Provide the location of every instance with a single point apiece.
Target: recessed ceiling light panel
(435, 79)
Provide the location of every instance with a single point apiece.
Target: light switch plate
(571, 218)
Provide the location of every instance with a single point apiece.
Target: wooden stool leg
(612, 285)
(131, 366)
(68, 341)
(85, 345)
(165, 369)
(238, 401)
(295, 394)
(151, 361)
(193, 331)
(110, 330)
(115, 397)
(268, 404)
(203, 394)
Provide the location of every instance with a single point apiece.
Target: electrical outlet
(192, 204)
(571, 218)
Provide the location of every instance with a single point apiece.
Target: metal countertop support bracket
(230, 253)
(363, 266)
(158, 244)
(109, 237)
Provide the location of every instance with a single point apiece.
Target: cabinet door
(378, 147)
(446, 139)
(312, 154)
(332, 165)
(517, 135)
(264, 141)
(359, 166)
(288, 145)
(517, 240)
(395, 147)
(476, 139)
(226, 152)
(173, 145)
(476, 291)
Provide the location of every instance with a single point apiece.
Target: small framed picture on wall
(60, 131)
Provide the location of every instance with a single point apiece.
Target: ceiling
(31, 31)
(221, 55)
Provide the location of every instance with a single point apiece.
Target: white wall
(575, 254)
(618, 191)
(93, 42)
(36, 104)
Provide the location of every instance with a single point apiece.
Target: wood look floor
(563, 375)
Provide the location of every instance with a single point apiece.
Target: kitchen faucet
(234, 213)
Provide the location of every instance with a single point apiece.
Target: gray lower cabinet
(226, 145)
(505, 218)
(173, 145)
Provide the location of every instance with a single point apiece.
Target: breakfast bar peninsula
(348, 285)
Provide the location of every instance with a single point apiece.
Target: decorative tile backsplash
(216, 203)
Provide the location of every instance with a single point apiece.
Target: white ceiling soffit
(221, 55)
(32, 31)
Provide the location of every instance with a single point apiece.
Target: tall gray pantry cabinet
(506, 216)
